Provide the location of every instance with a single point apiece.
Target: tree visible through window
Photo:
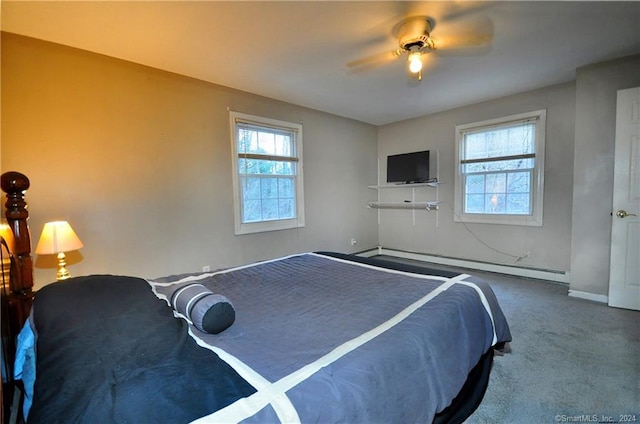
(499, 177)
(268, 174)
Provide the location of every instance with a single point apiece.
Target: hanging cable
(485, 244)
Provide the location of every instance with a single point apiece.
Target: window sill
(524, 220)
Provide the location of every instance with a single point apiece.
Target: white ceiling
(298, 51)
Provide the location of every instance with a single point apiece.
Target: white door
(624, 278)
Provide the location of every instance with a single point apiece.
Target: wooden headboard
(17, 290)
(20, 291)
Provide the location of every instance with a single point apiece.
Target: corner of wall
(596, 88)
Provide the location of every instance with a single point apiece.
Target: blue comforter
(317, 338)
(323, 339)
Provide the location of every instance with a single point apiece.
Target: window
(267, 174)
(500, 170)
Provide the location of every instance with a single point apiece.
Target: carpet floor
(571, 360)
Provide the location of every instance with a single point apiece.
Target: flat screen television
(407, 168)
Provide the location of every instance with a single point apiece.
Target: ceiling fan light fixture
(415, 62)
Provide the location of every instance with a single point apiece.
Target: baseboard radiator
(539, 274)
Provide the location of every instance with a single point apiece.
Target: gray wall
(596, 91)
(437, 233)
(139, 162)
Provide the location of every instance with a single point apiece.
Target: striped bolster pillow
(209, 312)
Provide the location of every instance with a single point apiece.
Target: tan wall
(138, 161)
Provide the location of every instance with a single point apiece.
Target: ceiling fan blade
(472, 37)
(460, 9)
(412, 26)
(464, 45)
(373, 61)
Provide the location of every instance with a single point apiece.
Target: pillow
(208, 311)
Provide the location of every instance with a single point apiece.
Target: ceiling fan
(415, 41)
(414, 37)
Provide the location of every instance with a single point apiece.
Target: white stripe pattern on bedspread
(275, 393)
(249, 406)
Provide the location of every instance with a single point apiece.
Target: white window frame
(267, 225)
(537, 181)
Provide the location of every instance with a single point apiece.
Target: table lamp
(56, 238)
(6, 249)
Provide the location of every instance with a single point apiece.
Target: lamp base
(63, 272)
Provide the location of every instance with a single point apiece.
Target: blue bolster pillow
(209, 312)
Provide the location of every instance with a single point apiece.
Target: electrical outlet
(206, 268)
(354, 241)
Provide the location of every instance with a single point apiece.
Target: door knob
(623, 214)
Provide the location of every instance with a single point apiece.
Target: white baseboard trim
(539, 274)
(589, 296)
(367, 253)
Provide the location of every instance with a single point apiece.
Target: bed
(311, 337)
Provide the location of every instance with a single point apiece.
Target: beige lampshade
(57, 237)
(7, 234)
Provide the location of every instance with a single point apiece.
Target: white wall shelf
(429, 206)
(419, 196)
